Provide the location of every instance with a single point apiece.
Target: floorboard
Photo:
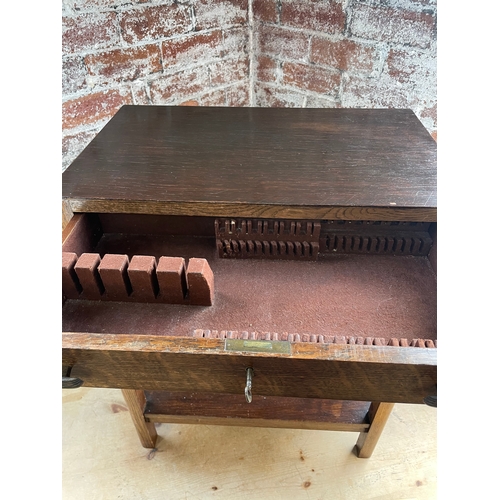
(103, 459)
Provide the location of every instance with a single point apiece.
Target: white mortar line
(251, 65)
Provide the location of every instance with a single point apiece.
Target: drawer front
(305, 370)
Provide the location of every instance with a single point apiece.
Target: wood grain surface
(258, 162)
(263, 411)
(325, 371)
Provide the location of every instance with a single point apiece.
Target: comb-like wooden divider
(140, 279)
(376, 237)
(267, 239)
(305, 337)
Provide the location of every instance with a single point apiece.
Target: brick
(372, 93)
(319, 102)
(428, 117)
(410, 4)
(266, 69)
(237, 95)
(219, 13)
(265, 10)
(73, 74)
(217, 98)
(91, 108)
(228, 71)
(324, 16)
(411, 67)
(200, 281)
(124, 64)
(282, 43)
(189, 103)
(113, 273)
(74, 144)
(83, 5)
(179, 86)
(90, 31)
(235, 42)
(343, 54)
(142, 275)
(154, 22)
(275, 97)
(192, 48)
(311, 78)
(139, 93)
(430, 113)
(393, 25)
(171, 274)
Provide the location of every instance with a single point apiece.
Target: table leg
(136, 401)
(377, 416)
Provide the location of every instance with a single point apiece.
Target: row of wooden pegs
(140, 279)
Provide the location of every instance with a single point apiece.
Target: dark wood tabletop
(258, 162)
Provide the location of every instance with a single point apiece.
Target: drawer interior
(368, 283)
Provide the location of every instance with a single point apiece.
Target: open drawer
(355, 321)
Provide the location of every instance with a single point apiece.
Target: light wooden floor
(103, 459)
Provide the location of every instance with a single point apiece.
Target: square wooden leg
(377, 417)
(136, 401)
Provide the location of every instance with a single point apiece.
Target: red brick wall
(365, 53)
(118, 52)
(303, 53)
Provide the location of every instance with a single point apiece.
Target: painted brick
(311, 78)
(180, 86)
(343, 54)
(430, 112)
(318, 102)
(219, 13)
(376, 93)
(393, 25)
(324, 16)
(228, 71)
(238, 95)
(139, 93)
(74, 144)
(407, 4)
(217, 98)
(86, 5)
(124, 64)
(265, 10)
(154, 22)
(407, 67)
(275, 97)
(428, 116)
(92, 108)
(235, 42)
(192, 48)
(90, 31)
(266, 69)
(73, 74)
(282, 43)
